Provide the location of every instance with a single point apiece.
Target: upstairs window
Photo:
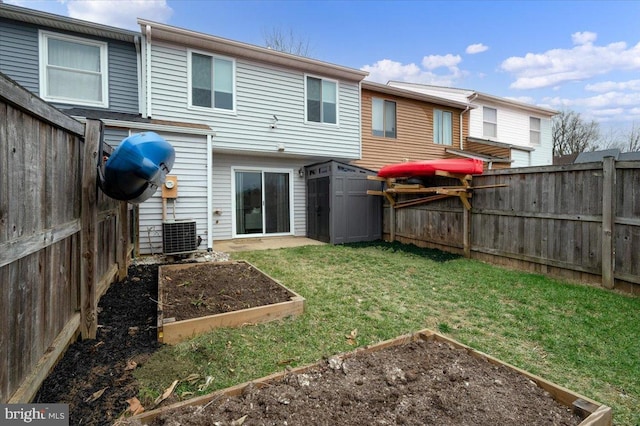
(442, 127)
(322, 100)
(73, 70)
(383, 118)
(212, 82)
(534, 131)
(489, 122)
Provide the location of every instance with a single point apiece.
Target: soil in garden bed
(420, 383)
(95, 377)
(215, 288)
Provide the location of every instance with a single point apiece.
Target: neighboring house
(90, 70)
(272, 114)
(503, 132)
(402, 125)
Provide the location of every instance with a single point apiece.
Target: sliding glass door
(262, 202)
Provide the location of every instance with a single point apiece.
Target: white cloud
(386, 69)
(472, 49)
(558, 66)
(433, 62)
(118, 13)
(583, 37)
(607, 86)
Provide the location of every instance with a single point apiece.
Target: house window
(489, 122)
(383, 118)
(534, 131)
(73, 70)
(212, 82)
(442, 127)
(322, 100)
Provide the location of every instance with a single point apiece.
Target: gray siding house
(244, 120)
(90, 70)
(272, 113)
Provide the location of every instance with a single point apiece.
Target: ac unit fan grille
(179, 237)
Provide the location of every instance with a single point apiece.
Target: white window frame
(44, 36)
(322, 123)
(438, 138)
(535, 140)
(384, 118)
(262, 170)
(495, 124)
(213, 57)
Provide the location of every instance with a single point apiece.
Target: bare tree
(572, 134)
(281, 41)
(625, 141)
(631, 142)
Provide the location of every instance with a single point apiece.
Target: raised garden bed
(424, 378)
(197, 297)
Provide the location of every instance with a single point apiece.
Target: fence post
(124, 237)
(466, 231)
(392, 223)
(89, 236)
(608, 221)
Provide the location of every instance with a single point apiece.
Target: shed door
(318, 209)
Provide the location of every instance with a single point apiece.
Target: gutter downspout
(209, 193)
(462, 126)
(141, 104)
(148, 70)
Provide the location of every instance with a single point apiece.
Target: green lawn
(583, 338)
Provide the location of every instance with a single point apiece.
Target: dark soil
(416, 384)
(420, 383)
(214, 288)
(126, 335)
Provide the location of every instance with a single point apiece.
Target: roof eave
(44, 19)
(247, 51)
(509, 102)
(411, 94)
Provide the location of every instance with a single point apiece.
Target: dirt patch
(95, 377)
(215, 288)
(416, 383)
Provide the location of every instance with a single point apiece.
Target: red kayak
(471, 166)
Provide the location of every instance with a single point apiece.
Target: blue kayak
(137, 167)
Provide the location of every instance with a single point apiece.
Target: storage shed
(338, 208)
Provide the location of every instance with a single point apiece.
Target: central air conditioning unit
(179, 237)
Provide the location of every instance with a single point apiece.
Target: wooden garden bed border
(593, 413)
(172, 332)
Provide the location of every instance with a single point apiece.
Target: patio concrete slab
(262, 243)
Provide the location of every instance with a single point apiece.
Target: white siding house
(269, 114)
(523, 128)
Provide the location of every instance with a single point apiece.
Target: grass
(580, 337)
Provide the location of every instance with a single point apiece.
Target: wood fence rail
(62, 242)
(580, 222)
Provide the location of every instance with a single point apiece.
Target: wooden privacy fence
(580, 222)
(61, 241)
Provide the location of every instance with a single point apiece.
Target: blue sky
(577, 55)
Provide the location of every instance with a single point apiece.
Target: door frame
(262, 170)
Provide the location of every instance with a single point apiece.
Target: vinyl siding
(223, 193)
(513, 129)
(261, 92)
(19, 54)
(520, 158)
(414, 136)
(190, 168)
(19, 59)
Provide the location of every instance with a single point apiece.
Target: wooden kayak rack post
(463, 191)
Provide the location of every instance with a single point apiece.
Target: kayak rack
(393, 188)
